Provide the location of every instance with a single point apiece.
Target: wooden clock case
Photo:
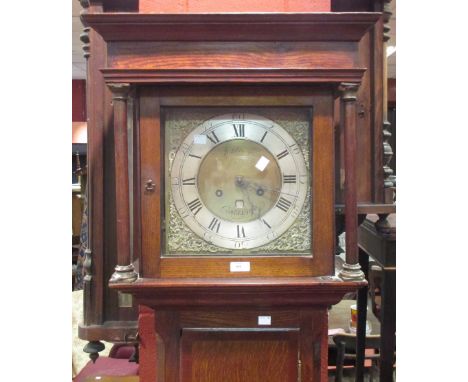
(194, 312)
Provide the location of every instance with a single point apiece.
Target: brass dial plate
(239, 181)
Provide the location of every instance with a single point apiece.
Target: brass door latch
(150, 186)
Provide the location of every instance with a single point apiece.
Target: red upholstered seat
(107, 366)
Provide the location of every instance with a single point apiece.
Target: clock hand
(259, 187)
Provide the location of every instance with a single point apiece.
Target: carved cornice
(180, 76)
(232, 27)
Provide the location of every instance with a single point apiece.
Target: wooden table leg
(362, 317)
(388, 326)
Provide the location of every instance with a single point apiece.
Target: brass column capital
(120, 91)
(348, 91)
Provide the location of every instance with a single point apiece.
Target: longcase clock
(224, 153)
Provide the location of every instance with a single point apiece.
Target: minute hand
(257, 186)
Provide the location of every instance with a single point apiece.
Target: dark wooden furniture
(377, 238)
(346, 344)
(192, 310)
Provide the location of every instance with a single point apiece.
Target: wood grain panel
(323, 214)
(313, 344)
(150, 169)
(78, 100)
(236, 55)
(235, 318)
(148, 343)
(219, 267)
(239, 356)
(168, 328)
(364, 142)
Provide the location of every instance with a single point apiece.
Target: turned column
(389, 181)
(124, 270)
(351, 268)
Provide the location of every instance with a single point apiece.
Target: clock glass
(237, 181)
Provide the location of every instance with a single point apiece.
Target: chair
(345, 350)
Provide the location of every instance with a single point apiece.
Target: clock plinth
(276, 328)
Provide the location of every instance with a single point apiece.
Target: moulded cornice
(232, 26)
(180, 76)
(240, 292)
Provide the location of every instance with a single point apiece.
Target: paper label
(264, 320)
(239, 266)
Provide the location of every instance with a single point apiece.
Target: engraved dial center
(248, 176)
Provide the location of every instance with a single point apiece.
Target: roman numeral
(283, 204)
(240, 231)
(264, 135)
(289, 178)
(282, 154)
(194, 156)
(265, 222)
(239, 129)
(188, 182)
(195, 206)
(215, 223)
(213, 138)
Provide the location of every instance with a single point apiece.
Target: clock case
(152, 100)
(131, 60)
